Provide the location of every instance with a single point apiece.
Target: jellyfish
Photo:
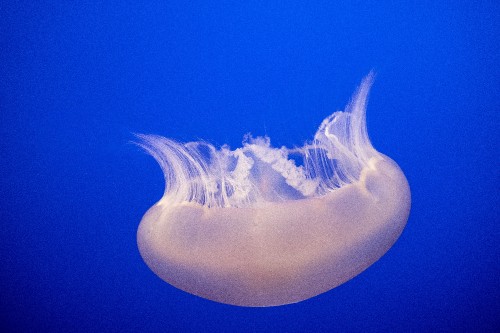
(262, 226)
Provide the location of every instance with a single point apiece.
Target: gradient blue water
(77, 79)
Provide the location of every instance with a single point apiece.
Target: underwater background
(78, 79)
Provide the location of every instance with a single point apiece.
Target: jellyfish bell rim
(240, 290)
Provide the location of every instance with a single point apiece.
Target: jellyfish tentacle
(339, 151)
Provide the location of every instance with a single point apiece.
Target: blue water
(76, 80)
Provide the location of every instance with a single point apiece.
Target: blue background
(77, 79)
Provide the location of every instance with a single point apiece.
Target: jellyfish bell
(253, 227)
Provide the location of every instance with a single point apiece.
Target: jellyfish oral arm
(249, 227)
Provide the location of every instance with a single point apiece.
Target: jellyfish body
(251, 227)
